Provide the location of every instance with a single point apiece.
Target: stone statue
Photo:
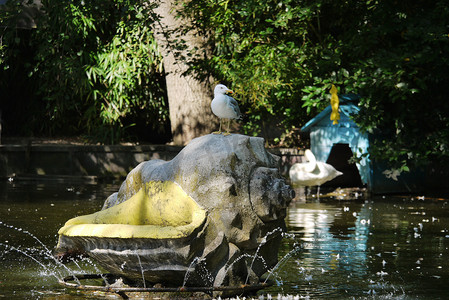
(214, 217)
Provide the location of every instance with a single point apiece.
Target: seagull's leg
(227, 130)
(318, 192)
(219, 130)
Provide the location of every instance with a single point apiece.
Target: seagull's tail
(243, 117)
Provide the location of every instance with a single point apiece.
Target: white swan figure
(312, 173)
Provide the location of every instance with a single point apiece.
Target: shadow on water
(386, 247)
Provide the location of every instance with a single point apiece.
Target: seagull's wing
(234, 105)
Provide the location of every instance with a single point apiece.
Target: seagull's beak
(229, 92)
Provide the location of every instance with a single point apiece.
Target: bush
(89, 67)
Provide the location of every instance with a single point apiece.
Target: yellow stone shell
(159, 210)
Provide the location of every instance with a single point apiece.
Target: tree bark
(188, 98)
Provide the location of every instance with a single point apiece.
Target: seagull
(224, 106)
(312, 173)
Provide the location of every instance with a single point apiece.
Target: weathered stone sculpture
(234, 203)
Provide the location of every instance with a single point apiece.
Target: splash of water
(31, 257)
(46, 252)
(197, 265)
(141, 270)
(245, 255)
(46, 268)
(97, 270)
(264, 240)
(295, 249)
(191, 269)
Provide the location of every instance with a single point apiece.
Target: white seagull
(224, 106)
(312, 173)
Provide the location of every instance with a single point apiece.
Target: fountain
(383, 247)
(210, 218)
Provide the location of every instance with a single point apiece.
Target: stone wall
(93, 161)
(77, 160)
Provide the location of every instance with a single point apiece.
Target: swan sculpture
(312, 173)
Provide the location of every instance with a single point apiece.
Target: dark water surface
(382, 248)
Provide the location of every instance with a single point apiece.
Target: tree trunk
(188, 98)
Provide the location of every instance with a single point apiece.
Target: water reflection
(395, 247)
(377, 248)
(336, 237)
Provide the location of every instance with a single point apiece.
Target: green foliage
(258, 48)
(283, 56)
(396, 56)
(91, 67)
(124, 76)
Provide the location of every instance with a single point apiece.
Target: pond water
(381, 248)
